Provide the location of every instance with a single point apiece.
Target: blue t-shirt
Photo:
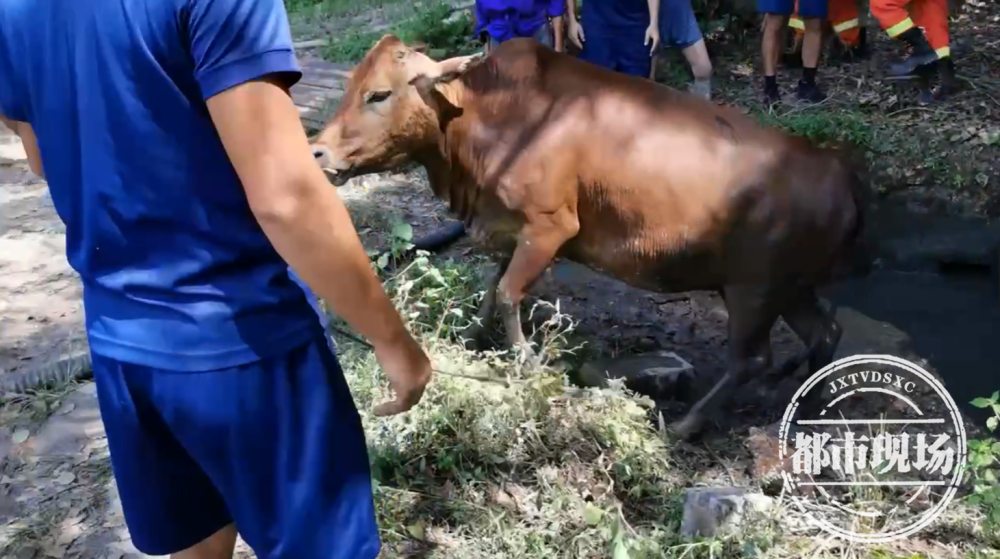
(177, 273)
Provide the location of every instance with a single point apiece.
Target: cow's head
(389, 113)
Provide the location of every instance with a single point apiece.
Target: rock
(663, 375)
(709, 511)
(762, 444)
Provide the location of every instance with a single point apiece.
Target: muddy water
(951, 321)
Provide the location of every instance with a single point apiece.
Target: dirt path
(41, 315)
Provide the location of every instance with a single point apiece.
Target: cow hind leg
(818, 330)
(752, 313)
(475, 335)
(537, 246)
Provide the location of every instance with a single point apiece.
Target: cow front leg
(536, 248)
(475, 334)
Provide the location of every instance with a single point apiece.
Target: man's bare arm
(297, 208)
(27, 135)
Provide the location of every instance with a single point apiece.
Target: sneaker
(771, 94)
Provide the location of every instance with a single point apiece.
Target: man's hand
(409, 371)
(576, 33)
(652, 38)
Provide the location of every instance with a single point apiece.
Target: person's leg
(283, 442)
(893, 17)
(932, 16)
(775, 13)
(814, 14)
(679, 28)
(845, 21)
(219, 545)
(170, 505)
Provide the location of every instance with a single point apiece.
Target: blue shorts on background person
(502, 20)
(615, 32)
(678, 24)
(807, 8)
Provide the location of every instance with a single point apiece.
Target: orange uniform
(843, 16)
(898, 16)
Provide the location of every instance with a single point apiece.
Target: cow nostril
(318, 153)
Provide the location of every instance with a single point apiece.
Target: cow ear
(453, 68)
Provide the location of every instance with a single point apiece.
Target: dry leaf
(20, 436)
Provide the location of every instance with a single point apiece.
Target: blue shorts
(807, 8)
(275, 446)
(621, 52)
(678, 24)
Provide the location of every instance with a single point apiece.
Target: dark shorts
(807, 8)
(622, 52)
(276, 446)
(678, 24)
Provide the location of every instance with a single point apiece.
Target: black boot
(947, 84)
(921, 53)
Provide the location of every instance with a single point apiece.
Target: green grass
(444, 32)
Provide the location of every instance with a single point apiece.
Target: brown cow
(547, 156)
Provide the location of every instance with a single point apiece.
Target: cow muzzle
(336, 171)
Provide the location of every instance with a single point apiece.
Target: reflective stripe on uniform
(900, 27)
(796, 23)
(845, 25)
(943, 52)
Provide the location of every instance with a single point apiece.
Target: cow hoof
(474, 338)
(687, 428)
(532, 360)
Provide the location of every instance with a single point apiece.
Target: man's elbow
(280, 202)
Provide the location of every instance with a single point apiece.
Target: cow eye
(376, 96)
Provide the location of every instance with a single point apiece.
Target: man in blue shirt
(502, 20)
(621, 35)
(176, 159)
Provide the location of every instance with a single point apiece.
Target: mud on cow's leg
(475, 334)
(752, 313)
(538, 244)
(819, 331)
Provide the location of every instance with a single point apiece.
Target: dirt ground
(41, 315)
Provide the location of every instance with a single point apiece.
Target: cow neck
(437, 157)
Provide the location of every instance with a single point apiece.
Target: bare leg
(701, 67)
(752, 313)
(475, 334)
(812, 46)
(219, 545)
(770, 46)
(812, 42)
(539, 242)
